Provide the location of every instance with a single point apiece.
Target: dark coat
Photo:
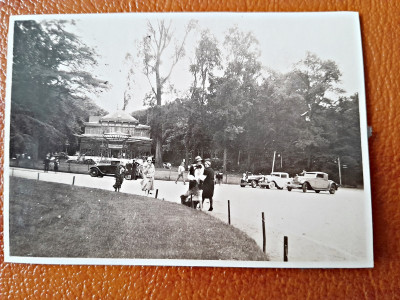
(208, 185)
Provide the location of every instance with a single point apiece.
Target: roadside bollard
(38, 176)
(156, 194)
(285, 248)
(263, 230)
(12, 172)
(229, 212)
(73, 180)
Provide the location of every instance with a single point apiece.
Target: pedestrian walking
(219, 177)
(148, 176)
(208, 184)
(119, 177)
(181, 171)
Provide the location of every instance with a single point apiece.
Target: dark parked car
(250, 179)
(104, 169)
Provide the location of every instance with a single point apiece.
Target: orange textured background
(380, 32)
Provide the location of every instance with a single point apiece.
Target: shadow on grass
(57, 220)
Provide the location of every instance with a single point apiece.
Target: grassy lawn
(57, 220)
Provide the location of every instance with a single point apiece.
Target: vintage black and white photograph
(194, 139)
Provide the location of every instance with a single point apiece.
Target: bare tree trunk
(224, 162)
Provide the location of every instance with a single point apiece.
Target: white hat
(198, 158)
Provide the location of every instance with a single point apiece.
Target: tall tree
(154, 45)
(234, 93)
(315, 81)
(50, 87)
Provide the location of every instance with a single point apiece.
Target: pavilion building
(117, 135)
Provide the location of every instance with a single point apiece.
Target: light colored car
(278, 180)
(317, 181)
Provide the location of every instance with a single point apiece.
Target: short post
(156, 193)
(12, 172)
(229, 212)
(226, 178)
(263, 231)
(169, 177)
(285, 248)
(73, 180)
(191, 201)
(38, 176)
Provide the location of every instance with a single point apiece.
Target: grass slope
(57, 220)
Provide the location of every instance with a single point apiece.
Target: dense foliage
(49, 88)
(242, 116)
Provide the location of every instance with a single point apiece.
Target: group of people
(147, 183)
(201, 183)
(46, 164)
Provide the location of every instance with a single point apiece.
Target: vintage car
(250, 179)
(277, 180)
(317, 181)
(107, 168)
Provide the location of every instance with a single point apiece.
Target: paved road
(320, 227)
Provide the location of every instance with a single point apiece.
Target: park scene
(187, 137)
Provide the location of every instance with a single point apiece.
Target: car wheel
(253, 184)
(304, 187)
(332, 189)
(317, 192)
(94, 173)
(289, 189)
(272, 185)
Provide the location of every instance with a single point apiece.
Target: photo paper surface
(187, 139)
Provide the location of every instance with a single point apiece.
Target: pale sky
(284, 39)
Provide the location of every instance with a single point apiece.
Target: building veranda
(116, 135)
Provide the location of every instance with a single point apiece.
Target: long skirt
(147, 184)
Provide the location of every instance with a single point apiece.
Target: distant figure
(119, 177)
(134, 170)
(219, 177)
(148, 176)
(208, 184)
(46, 164)
(56, 164)
(181, 171)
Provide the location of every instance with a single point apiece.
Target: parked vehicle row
(315, 181)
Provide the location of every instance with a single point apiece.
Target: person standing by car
(56, 164)
(181, 171)
(46, 164)
(208, 184)
(119, 177)
(148, 176)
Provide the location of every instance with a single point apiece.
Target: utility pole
(340, 172)
(273, 162)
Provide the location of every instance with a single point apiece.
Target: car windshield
(309, 175)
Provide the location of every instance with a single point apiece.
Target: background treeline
(50, 91)
(239, 113)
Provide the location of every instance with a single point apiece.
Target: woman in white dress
(148, 176)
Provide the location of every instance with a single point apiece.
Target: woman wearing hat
(148, 176)
(196, 177)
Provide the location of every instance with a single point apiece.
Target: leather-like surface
(380, 32)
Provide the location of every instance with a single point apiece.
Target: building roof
(119, 116)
